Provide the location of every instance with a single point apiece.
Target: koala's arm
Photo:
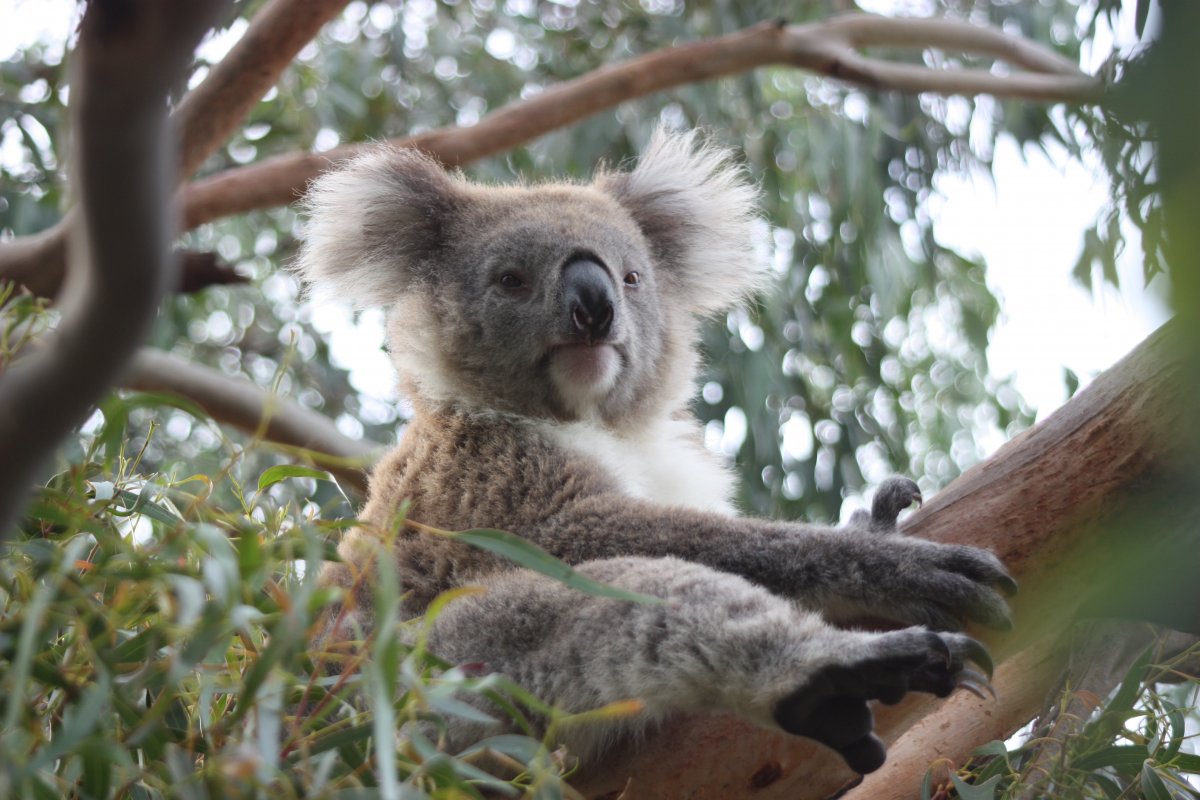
(844, 573)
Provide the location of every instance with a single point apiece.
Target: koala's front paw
(832, 706)
(893, 496)
(940, 586)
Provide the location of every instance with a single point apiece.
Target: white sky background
(1026, 220)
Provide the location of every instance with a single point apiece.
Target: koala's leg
(717, 642)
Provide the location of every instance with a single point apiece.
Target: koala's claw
(975, 683)
(893, 496)
(832, 707)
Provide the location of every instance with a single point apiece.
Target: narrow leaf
(535, 558)
(281, 472)
(984, 791)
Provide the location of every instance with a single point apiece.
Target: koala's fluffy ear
(372, 223)
(697, 208)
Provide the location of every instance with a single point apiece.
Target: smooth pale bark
(1056, 504)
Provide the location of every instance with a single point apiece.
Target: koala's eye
(633, 279)
(511, 280)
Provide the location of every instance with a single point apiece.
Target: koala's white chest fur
(664, 462)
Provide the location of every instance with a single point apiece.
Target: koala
(547, 336)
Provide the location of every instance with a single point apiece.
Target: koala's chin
(584, 373)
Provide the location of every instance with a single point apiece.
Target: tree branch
(826, 48)
(1082, 504)
(946, 738)
(247, 406)
(208, 115)
(129, 53)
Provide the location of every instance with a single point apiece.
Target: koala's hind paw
(893, 496)
(832, 707)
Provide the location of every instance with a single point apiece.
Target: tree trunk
(1082, 508)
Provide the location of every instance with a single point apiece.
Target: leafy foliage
(1139, 743)
(156, 643)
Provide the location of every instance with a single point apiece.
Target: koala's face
(546, 303)
(559, 301)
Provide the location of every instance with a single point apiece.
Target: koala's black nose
(588, 298)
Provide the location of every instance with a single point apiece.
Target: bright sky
(1027, 225)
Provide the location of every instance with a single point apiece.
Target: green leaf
(452, 706)
(283, 471)
(1186, 762)
(993, 748)
(927, 785)
(142, 504)
(984, 791)
(535, 558)
(1071, 381)
(1111, 788)
(1126, 759)
(521, 748)
(1178, 730)
(1152, 785)
(98, 756)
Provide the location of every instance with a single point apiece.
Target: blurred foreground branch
(129, 55)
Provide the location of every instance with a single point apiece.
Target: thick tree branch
(247, 406)
(210, 113)
(827, 48)
(129, 53)
(1082, 504)
(946, 737)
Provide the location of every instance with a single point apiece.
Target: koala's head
(561, 301)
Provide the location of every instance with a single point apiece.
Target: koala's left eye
(511, 280)
(633, 279)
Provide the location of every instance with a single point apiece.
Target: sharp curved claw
(972, 688)
(978, 653)
(974, 683)
(1008, 585)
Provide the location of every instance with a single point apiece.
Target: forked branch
(830, 48)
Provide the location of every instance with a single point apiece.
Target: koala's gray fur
(547, 337)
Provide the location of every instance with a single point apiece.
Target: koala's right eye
(511, 280)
